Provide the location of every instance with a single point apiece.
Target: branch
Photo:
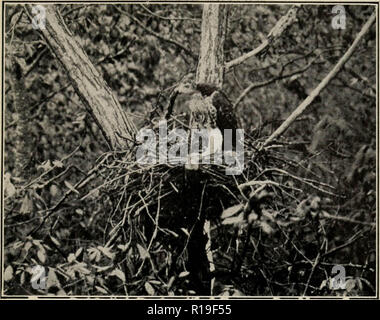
(275, 33)
(261, 84)
(301, 108)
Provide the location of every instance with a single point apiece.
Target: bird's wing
(226, 118)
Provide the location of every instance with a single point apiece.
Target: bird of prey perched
(209, 106)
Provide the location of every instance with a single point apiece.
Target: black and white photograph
(215, 150)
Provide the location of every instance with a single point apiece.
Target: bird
(209, 107)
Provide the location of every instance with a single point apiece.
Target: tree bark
(211, 59)
(95, 94)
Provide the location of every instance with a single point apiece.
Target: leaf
(183, 274)
(41, 254)
(252, 217)
(81, 268)
(27, 205)
(118, 273)
(101, 269)
(266, 227)
(234, 220)
(54, 191)
(229, 212)
(58, 164)
(27, 246)
(143, 252)
(149, 288)
(94, 254)
(350, 285)
(52, 280)
(8, 273)
(45, 166)
(185, 232)
(171, 281)
(101, 290)
(61, 292)
(71, 187)
(22, 278)
(107, 252)
(78, 252)
(123, 247)
(71, 257)
(55, 241)
(79, 211)
(9, 188)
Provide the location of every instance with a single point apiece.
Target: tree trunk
(95, 94)
(211, 59)
(210, 71)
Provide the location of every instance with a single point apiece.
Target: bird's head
(187, 85)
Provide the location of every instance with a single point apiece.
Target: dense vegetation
(106, 234)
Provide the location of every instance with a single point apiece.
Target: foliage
(90, 215)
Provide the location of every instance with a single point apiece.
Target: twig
(346, 219)
(316, 261)
(276, 31)
(158, 36)
(261, 84)
(354, 238)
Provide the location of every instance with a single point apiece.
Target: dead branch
(301, 108)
